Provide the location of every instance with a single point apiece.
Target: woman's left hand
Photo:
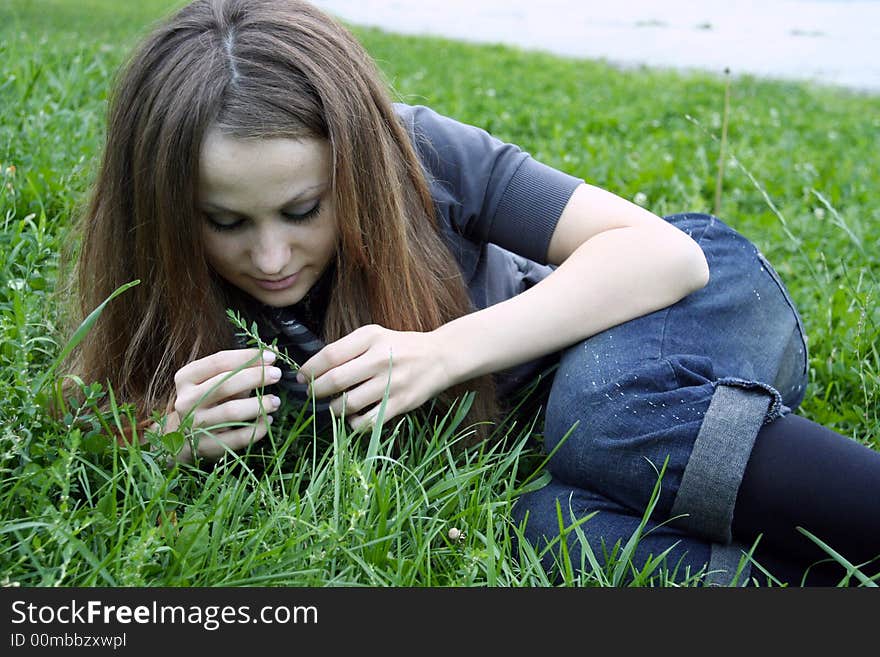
(358, 365)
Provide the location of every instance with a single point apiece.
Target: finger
(225, 386)
(230, 360)
(336, 353)
(231, 384)
(359, 398)
(212, 445)
(348, 375)
(370, 418)
(358, 422)
(237, 410)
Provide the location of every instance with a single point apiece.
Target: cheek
(316, 241)
(330, 235)
(331, 239)
(219, 250)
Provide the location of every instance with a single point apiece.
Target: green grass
(77, 509)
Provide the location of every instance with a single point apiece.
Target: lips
(278, 283)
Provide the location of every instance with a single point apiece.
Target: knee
(570, 428)
(595, 428)
(584, 416)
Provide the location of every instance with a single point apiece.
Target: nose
(270, 253)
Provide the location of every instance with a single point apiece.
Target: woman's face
(269, 225)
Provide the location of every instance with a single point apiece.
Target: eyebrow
(213, 207)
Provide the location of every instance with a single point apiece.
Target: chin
(279, 300)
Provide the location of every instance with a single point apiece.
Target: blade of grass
(78, 336)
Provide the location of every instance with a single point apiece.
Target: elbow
(695, 274)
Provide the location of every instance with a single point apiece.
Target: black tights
(801, 474)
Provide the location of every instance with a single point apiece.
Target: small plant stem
(721, 153)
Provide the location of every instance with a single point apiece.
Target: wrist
(456, 360)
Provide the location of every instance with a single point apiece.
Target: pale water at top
(826, 41)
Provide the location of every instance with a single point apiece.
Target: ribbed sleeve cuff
(530, 207)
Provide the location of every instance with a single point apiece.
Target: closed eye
(297, 214)
(223, 222)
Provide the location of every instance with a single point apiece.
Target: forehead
(231, 165)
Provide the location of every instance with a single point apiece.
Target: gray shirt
(498, 208)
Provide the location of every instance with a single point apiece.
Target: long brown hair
(255, 69)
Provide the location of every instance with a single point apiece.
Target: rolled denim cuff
(724, 566)
(712, 477)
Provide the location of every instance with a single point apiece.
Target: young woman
(255, 161)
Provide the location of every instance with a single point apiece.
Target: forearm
(613, 277)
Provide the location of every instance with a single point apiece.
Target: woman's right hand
(216, 392)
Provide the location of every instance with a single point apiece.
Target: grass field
(800, 172)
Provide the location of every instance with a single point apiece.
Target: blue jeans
(689, 386)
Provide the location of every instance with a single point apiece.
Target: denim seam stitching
(669, 309)
(786, 296)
